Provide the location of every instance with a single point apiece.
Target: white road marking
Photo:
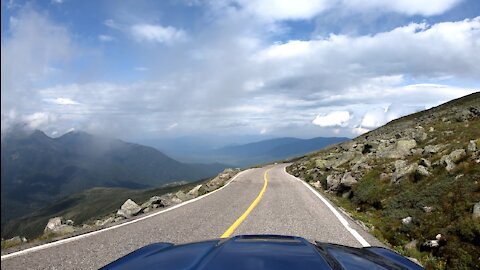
(342, 220)
(78, 237)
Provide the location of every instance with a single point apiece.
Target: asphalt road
(287, 206)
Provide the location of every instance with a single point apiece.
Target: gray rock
(476, 210)
(472, 146)
(427, 209)
(402, 169)
(407, 221)
(194, 191)
(431, 244)
(425, 162)
(404, 146)
(153, 200)
(181, 195)
(457, 155)
(419, 135)
(411, 245)
(421, 170)
(54, 223)
(432, 149)
(129, 209)
(16, 240)
(69, 222)
(450, 165)
(316, 185)
(175, 200)
(104, 222)
(333, 180)
(348, 180)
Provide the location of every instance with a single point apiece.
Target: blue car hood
(261, 252)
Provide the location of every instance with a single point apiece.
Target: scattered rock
(429, 245)
(459, 176)
(54, 223)
(431, 129)
(129, 209)
(348, 180)
(476, 210)
(432, 149)
(69, 222)
(181, 195)
(175, 200)
(407, 221)
(155, 200)
(411, 245)
(104, 222)
(421, 170)
(402, 169)
(425, 162)
(333, 180)
(16, 240)
(427, 209)
(404, 146)
(194, 191)
(457, 155)
(316, 185)
(472, 146)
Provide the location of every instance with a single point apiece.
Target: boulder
(419, 135)
(316, 185)
(129, 209)
(104, 222)
(450, 165)
(404, 146)
(421, 170)
(348, 180)
(457, 155)
(181, 195)
(175, 200)
(69, 222)
(333, 180)
(432, 149)
(476, 210)
(425, 162)
(472, 146)
(402, 169)
(407, 221)
(54, 223)
(194, 191)
(155, 200)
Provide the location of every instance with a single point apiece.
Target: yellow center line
(239, 221)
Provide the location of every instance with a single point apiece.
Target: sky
(165, 69)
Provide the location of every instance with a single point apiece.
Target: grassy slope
(382, 205)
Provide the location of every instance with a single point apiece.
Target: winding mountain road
(257, 201)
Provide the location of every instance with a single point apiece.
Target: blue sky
(148, 69)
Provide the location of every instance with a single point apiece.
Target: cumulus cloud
(285, 9)
(157, 33)
(332, 119)
(62, 101)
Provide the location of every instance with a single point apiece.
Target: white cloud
(62, 101)
(57, 1)
(332, 119)
(39, 120)
(157, 33)
(172, 126)
(285, 9)
(408, 7)
(105, 38)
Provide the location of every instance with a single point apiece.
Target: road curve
(287, 206)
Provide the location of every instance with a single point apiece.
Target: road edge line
(78, 237)
(339, 216)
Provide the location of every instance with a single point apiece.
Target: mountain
(273, 149)
(413, 182)
(37, 169)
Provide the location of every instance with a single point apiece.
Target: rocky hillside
(415, 183)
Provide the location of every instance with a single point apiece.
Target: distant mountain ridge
(37, 169)
(274, 149)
